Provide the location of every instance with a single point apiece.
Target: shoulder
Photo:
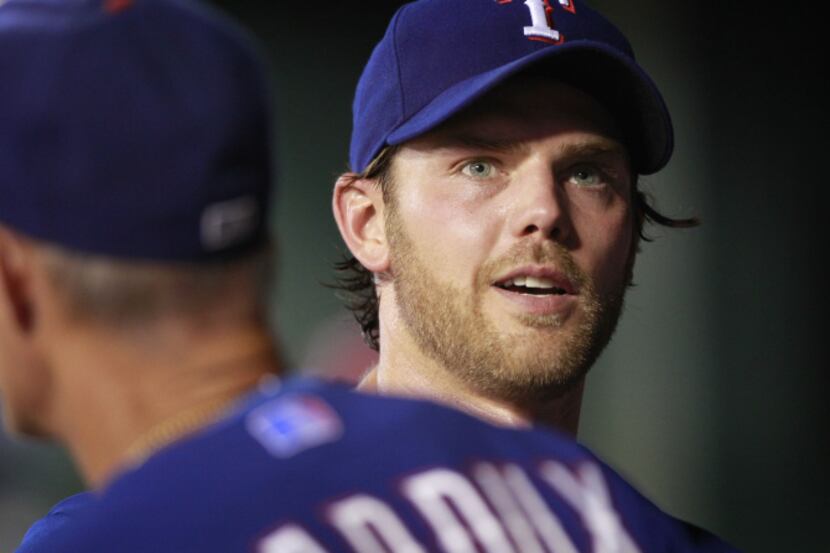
(316, 467)
(42, 532)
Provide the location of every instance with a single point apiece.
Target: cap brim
(614, 80)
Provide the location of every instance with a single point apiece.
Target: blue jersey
(316, 468)
(63, 513)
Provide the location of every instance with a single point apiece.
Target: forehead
(524, 109)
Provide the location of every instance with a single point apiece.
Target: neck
(119, 403)
(404, 370)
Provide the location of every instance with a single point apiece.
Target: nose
(539, 206)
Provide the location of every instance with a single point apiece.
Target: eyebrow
(477, 141)
(593, 147)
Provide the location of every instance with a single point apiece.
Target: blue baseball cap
(439, 56)
(133, 129)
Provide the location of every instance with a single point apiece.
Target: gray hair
(126, 294)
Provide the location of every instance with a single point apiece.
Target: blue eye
(478, 169)
(586, 177)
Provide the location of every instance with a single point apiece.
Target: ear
(358, 209)
(16, 306)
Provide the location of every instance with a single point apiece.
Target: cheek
(453, 235)
(13, 394)
(7, 363)
(23, 387)
(607, 247)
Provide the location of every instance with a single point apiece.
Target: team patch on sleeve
(289, 425)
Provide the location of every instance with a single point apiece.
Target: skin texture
(114, 395)
(531, 180)
(25, 383)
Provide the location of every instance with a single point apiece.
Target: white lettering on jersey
(545, 521)
(586, 491)
(524, 513)
(457, 512)
(497, 509)
(371, 526)
(289, 539)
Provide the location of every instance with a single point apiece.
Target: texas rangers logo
(541, 20)
(290, 425)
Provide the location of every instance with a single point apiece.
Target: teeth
(531, 282)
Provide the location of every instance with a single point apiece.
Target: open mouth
(535, 286)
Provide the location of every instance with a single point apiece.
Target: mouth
(536, 282)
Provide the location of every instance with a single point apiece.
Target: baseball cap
(133, 129)
(439, 56)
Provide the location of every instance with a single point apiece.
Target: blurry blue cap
(439, 56)
(133, 129)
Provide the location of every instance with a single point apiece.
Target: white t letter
(540, 23)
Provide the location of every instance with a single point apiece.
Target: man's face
(511, 236)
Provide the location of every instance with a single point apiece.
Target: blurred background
(712, 396)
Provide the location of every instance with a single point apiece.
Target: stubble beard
(448, 325)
